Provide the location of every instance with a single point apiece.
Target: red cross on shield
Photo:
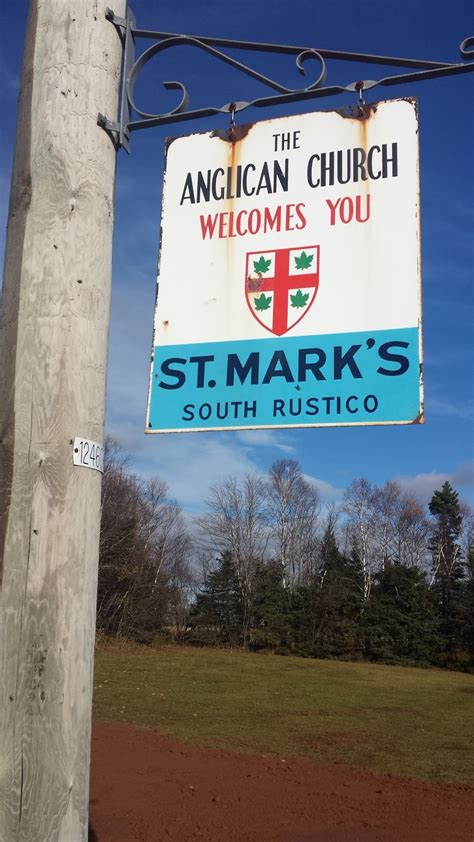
(281, 286)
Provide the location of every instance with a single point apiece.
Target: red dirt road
(149, 788)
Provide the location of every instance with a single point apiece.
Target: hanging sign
(289, 275)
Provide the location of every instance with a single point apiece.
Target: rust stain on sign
(254, 284)
(235, 134)
(362, 115)
(235, 139)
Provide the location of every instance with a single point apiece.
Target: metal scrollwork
(182, 40)
(467, 47)
(120, 131)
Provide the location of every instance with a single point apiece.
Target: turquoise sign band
(349, 378)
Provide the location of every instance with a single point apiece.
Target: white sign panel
(88, 454)
(289, 275)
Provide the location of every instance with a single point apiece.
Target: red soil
(147, 788)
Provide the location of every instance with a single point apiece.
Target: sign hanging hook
(232, 110)
(359, 87)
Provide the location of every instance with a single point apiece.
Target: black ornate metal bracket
(121, 130)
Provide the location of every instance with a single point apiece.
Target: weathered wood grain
(53, 352)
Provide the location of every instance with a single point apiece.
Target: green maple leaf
(300, 299)
(261, 265)
(304, 261)
(263, 302)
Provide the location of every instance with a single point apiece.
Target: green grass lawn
(410, 722)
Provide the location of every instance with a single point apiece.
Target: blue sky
(420, 457)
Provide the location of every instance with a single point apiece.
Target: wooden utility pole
(53, 352)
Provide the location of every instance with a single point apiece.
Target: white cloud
(191, 462)
(266, 438)
(329, 493)
(422, 486)
(439, 407)
(188, 462)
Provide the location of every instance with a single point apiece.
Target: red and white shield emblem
(281, 285)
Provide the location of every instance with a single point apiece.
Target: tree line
(266, 567)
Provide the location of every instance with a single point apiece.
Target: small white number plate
(88, 454)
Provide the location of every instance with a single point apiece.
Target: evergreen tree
(275, 619)
(400, 622)
(447, 565)
(216, 617)
(333, 602)
(467, 610)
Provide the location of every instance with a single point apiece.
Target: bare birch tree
(413, 531)
(359, 504)
(294, 507)
(144, 573)
(236, 523)
(387, 503)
